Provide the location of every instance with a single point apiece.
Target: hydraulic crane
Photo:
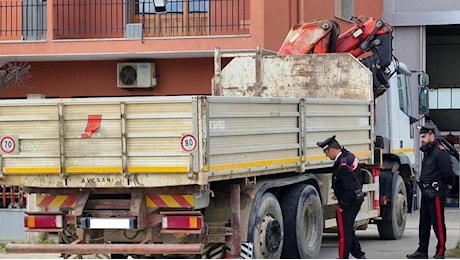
(369, 40)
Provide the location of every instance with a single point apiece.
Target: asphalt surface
(369, 239)
(376, 248)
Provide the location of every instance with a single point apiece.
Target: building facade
(74, 46)
(427, 36)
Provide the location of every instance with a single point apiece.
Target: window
(174, 6)
(405, 103)
(344, 9)
(199, 6)
(404, 93)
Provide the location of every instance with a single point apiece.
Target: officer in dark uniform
(436, 178)
(347, 186)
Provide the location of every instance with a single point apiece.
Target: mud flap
(224, 251)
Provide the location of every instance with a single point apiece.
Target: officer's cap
(326, 143)
(429, 127)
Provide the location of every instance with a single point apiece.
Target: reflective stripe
(170, 201)
(56, 201)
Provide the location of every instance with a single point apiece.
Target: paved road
(395, 249)
(370, 242)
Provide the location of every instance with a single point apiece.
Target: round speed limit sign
(188, 143)
(8, 144)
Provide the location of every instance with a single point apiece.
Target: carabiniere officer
(436, 178)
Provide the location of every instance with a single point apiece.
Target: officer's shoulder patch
(440, 147)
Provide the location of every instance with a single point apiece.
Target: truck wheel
(268, 233)
(303, 222)
(392, 226)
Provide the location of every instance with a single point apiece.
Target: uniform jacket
(436, 165)
(346, 179)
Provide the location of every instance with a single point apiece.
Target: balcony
(30, 20)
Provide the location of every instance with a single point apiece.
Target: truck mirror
(379, 143)
(423, 100)
(423, 79)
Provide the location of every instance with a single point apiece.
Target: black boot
(436, 256)
(417, 255)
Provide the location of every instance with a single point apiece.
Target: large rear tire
(303, 222)
(268, 235)
(392, 226)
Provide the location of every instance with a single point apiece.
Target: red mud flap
(73, 249)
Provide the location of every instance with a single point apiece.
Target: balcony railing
(24, 19)
(79, 19)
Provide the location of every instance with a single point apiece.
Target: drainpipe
(300, 8)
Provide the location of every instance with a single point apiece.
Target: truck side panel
(320, 79)
(350, 120)
(135, 136)
(137, 140)
(252, 136)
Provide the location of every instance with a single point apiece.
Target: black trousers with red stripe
(432, 214)
(348, 242)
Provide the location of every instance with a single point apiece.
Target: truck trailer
(232, 174)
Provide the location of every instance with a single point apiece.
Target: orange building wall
(98, 78)
(314, 9)
(278, 19)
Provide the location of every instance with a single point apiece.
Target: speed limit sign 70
(9, 144)
(188, 143)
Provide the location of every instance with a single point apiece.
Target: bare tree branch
(13, 72)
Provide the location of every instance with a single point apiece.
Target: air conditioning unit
(136, 75)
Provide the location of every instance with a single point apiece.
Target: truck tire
(392, 226)
(268, 233)
(303, 222)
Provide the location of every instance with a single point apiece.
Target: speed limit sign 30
(9, 144)
(188, 143)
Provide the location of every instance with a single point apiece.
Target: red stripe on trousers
(341, 233)
(440, 226)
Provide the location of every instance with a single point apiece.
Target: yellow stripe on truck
(242, 165)
(167, 169)
(322, 157)
(94, 170)
(403, 150)
(31, 170)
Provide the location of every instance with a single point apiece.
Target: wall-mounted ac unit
(136, 75)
